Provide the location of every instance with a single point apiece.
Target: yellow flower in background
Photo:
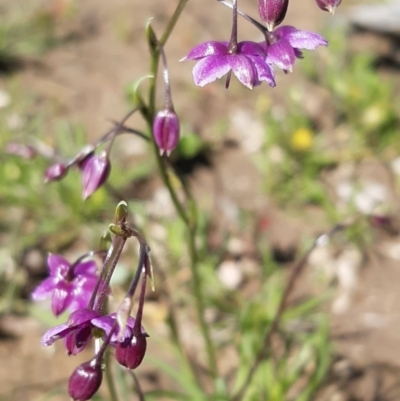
(302, 139)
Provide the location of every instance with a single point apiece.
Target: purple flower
(328, 5)
(106, 323)
(130, 346)
(77, 331)
(285, 43)
(272, 12)
(95, 172)
(166, 130)
(215, 60)
(70, 287)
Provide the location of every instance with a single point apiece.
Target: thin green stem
(199, 300)
(172, 22)
(290, 284)
(109, 379)
(189, 217)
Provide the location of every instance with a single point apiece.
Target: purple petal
(209, 69)
(58, 266)
(248, 48)
(212, 48)
(45, 289)
(77, 340)
(244, 70)
(55, 333)
(78, 302)
(106, 323)
(300, 39)
(81, 316)
(61, 298)
(281, 54)
(264, 71)
(84, 268)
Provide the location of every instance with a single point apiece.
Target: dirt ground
(84, 81)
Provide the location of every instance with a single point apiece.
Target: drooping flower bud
(272, 12)
(95, 173)
(166, 130)
(328, 5)
(85, 380)
(55, 172)
(131, 354)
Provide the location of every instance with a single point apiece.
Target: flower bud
(132, 353)
(272, 12)
(328, 5)
(85, 381)
(166, 130)
(55, 172)
(95, 173)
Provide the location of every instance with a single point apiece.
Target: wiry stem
(188, 218)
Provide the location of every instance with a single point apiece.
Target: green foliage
(299, 148)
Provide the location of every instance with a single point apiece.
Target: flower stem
(187, 215)
(110, 379)
(172, 22)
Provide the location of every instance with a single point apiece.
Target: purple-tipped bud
(131, 354)
(272, 12)
(55, 172)
(166, 130)
(328, 5)
(95, 173)
(85, 381)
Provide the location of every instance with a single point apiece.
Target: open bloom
(215, 60)
(285, 44)
(77, 331)
(69, 286)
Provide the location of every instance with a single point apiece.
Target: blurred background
(271, 169)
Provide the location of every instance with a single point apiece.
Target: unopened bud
(121, 212)
(55, 172)
(328, 5)
(95, 173)
(272, 12)
(166, 130)
(85, 381)
(131, 354)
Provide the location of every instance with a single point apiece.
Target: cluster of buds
(95, 167)
(253, 62)
(78, 288)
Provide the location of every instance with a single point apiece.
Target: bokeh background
(271, 169)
